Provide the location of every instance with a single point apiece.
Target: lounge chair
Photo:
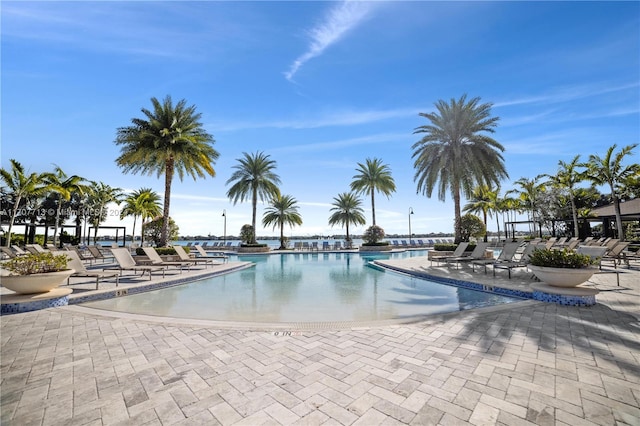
(614, 254)
(125, 262)
(97, 254)
(477, 254)
(183, 255)
(10, 254)
(76, 264)
(458, 252)
(155, 259)
(506, 255)
(35, 248)
(82, 255)
(212, 255)
(523, 262)
(325, 245)
(18, 250)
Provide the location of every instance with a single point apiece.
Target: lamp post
(224, 214)
(410, 213)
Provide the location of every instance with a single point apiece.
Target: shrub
(247, 234)
(372, 235)
(36, 263)
(560, 259)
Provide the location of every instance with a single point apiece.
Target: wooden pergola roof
(629, 210)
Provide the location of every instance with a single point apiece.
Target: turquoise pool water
(306, 287)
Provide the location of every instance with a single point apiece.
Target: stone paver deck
(524, 363)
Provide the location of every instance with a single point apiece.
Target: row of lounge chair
(516, 255)
(118, 260)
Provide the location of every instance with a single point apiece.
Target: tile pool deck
(524, 363)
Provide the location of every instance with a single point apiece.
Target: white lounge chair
(126, 263)
(213, 255)
(155, 259)
(76, 264)
(183, 255)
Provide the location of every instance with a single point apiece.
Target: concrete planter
(35, 283)
(562, 277)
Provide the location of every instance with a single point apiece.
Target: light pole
(410, 213)
(224, 214)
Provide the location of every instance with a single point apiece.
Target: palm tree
(567, 178)
(63, 186)
(254, 177)
(283, 210)
(20, 187)
(483, 200)
(530, 190)
(610, 171)
(347, 210)
(373, 176)
(171, 140)
(455, 154)
(144, 203)
(101, 194)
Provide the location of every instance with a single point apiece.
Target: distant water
(274, 244)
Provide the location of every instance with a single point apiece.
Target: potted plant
(372, 236)
(561, 268)
(35, 273)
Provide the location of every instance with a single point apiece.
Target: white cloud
(341, 18)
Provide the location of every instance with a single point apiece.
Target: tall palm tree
(100, 196)
(143, 203)
(608, 170)
(254, 177)
(529, 193)
(63, 186)
(566, 178)
(283, 210)
(483, 200)
(347, 210)
(169, 140)
(455, 154)
(373, 176)
(19, 186)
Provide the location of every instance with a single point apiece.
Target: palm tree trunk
(484, 214)
(373, 208)
(616, 205)
(282, 247)
(575, 216)
(457, 224)
(133, 231)
(254, 203)
(168, 177)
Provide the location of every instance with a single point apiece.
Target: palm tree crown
(63, 186)
(283, 211)
(254, 177)
(100, 196)
(455, 154)
(373, 176)
(608, 170)
(483, 200)
(566, 179)
(347, 210)
(143, 203)
(19, 186)
(169, 140)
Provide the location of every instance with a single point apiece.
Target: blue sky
(319, 86)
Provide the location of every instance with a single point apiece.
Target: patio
(524, 363)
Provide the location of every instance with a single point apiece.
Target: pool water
(306, 287)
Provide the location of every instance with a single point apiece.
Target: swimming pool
(306, 287)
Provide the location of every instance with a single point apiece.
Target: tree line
(455, 156)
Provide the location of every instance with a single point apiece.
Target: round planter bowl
(562, 277)
(36, 283)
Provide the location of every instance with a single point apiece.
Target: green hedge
(452, 247)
